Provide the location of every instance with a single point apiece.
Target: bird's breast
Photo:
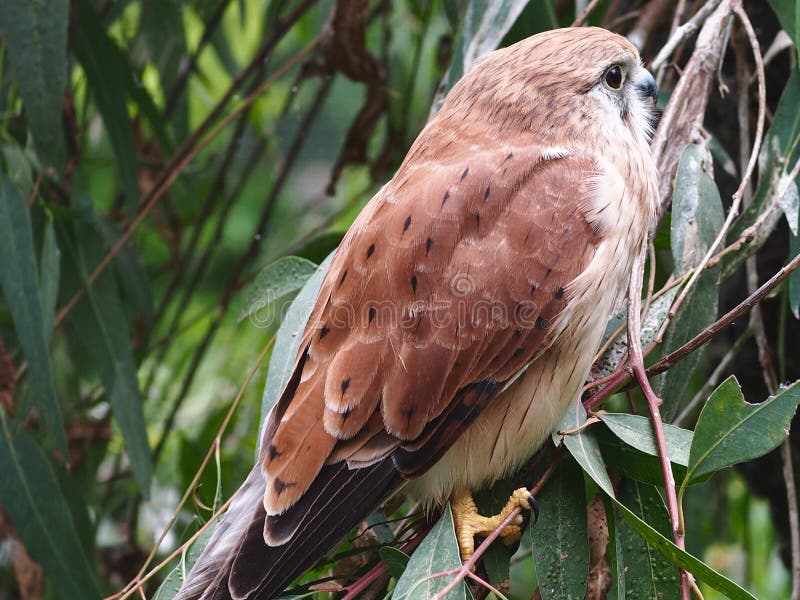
(520, 419)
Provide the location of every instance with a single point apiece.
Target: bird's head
(562, 82)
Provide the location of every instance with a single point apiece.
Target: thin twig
(728, 318)
(620, 378)
(234, 405)
(676, 18)
(363, 582)
(182, 158)
(235, 277)
(636, 364)
(581, 19)
(794, 521)
(683, 32)
(712, 380)
(140, 580)
(187, 66)
(737, 196)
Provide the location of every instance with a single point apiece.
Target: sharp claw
(534, 508)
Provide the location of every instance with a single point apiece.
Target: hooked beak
(647, 86)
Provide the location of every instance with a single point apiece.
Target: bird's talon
(469, 522)
(534, 506)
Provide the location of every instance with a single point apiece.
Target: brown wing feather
(413, 310)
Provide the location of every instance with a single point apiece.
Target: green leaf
(274, 289)
(697, 217)
(635, 464)
(98, 320)
(108, 73)
(35, 36)
(560, 548)
(583, 445)
(287, 341)
(438, 552)
(20, 165)
(730, 431)
(615, 554)
(697, 213)
(637, 431)
(31, 496)
(49, 272)
(648, 574)
(683, 559)
(20, 282)
(483, 27)
(395, 559)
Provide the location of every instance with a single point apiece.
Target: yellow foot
(470, 523)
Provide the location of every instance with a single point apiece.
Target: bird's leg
(470, 523)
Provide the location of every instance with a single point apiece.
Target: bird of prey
(460, 314)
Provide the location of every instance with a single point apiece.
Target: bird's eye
(613, 77)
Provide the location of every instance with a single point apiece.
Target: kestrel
(460, 314)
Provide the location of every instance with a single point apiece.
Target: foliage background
(156, 155)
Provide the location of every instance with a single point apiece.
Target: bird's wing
(446, 285)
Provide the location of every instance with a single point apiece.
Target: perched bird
(460, 314)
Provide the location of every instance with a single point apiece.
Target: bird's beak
(647, 87)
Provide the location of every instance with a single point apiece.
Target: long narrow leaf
(30, 495)
(100, 59)
(36, 41)
(19, 276)
(100, 327)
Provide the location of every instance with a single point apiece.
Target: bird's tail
(237, 564)
(215, 559)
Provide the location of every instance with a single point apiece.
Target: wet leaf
(270, 296)
(697, 217)
(632, 462)
(395, 559)
(615, 554)
(683, 559)
(786, 12)
(583, 446)
(560, 548)
(113, 81)
(730, 430)
(637, 431)
(617, 351)
(794, 278)
(648, 574)
(438, 552)
(49, 273)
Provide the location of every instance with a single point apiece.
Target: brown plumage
(460, 314)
